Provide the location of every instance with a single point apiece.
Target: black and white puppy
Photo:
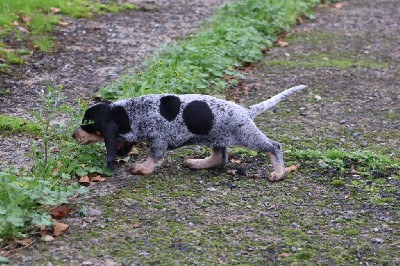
(169, 121)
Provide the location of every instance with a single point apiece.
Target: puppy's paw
(274, 177)
(142, 169)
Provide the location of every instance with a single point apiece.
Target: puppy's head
(101, 122)
(94, 124)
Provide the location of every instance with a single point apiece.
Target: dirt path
(350, 59)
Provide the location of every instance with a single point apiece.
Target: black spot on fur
(169, 107)
(121, 117)
(198, 117)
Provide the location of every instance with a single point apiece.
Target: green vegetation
(31, 21)
(24, 194)
(236, 34)
(13, 125)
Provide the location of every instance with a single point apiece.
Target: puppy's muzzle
(83, 137)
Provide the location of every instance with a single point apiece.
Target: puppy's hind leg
(217, 158)
(256, 140)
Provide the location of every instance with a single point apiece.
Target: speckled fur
(225, 124)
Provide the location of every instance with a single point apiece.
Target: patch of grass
(13, 125)
(33, 20)
(235, 35)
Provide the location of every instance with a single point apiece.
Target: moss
(322, 60)
(13, 125)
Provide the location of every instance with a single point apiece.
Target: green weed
(56, 159)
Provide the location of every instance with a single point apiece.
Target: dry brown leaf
(97, 178)
(137, 225)
(231, 171)
(47, 238)
(339, 5)
(23, 30)
(24, 242)
(235, 161)
(60, 228)
(285, 255)
(84, 179)
(281, 43)
(292, 168)
(24, 18)
(63, 23)
(15, 23)
(60, 211)
(54, 10)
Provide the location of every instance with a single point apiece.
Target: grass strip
(236, 34)
(28, 22)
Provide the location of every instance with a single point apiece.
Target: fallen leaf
(285, 255)
(281, 43)
(97, 178)
(84, 179)
(24, 242)
(292, 168)
(339, 5)
(48, 238)
(43, 231)
(60, 228)
(137, 225)
(24, 18)
(235, 161)
(63, 24)
(60, 211)
(23, 30)
(231, 171)
(15, 23)
(54, 10)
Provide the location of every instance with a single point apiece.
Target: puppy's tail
(259, 108)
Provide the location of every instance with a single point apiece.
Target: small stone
(377, 240)
(295, 225)
(293, 249)
(93, 212)
(356, 134)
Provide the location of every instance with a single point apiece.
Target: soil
(348, 57)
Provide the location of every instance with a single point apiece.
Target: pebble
(377, 240)
(93, 212)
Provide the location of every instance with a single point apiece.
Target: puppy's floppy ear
(117, 123)
(110, 134)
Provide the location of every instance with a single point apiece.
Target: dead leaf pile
(91, 178)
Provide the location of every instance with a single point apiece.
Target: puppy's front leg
(154, 160)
